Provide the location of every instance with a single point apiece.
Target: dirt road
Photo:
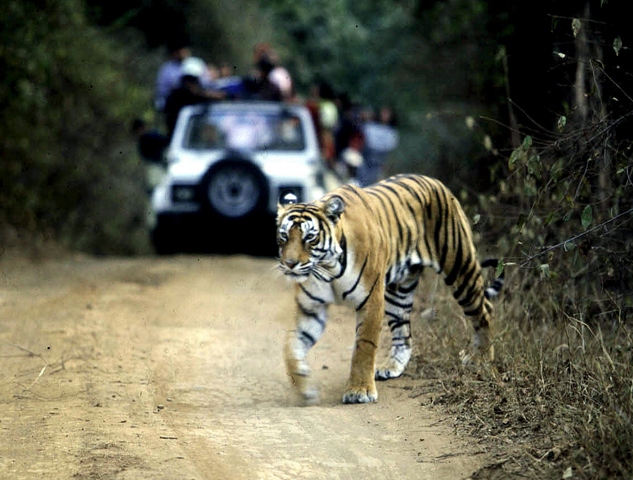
(171, 368)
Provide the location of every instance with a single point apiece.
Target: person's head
(178, 50)
(226, 70)
(387, 116)
(326, 92)
(367, 114)
(261, 49)
(213, 70)
(189, 82)
(265, 66)
(274, 58)
(344, 102)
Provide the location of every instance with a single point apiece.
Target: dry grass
(557, 402)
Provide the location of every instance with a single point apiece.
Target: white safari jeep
(228, 163)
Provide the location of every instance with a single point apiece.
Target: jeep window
(245, 130)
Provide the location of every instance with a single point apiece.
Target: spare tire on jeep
(235, 188)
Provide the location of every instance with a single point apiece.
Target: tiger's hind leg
(482, 347)
(398, 306)
(470, 295)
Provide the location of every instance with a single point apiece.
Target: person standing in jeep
(170, 72)
(189, 92)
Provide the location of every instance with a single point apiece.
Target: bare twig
(30, 353)
(580, 235)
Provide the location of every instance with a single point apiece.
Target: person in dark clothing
(266, 89)
(348, 123)
(151, 143)
(151, 148)
(189, 92)
(258, 85)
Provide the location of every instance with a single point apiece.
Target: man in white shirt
(169, 73)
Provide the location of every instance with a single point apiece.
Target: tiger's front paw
(310, 396)
(307, 391)
(360, 395)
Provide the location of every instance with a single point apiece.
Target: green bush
(68, 171)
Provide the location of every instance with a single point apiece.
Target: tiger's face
(306, 235)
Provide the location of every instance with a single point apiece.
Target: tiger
(367, 247)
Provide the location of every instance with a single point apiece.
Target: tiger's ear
(333, 208)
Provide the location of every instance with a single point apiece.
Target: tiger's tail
(493, 290)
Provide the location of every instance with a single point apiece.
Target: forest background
(522, 108)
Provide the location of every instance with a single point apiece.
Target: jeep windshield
(244, 130)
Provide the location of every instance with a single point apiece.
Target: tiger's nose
(291, 263)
